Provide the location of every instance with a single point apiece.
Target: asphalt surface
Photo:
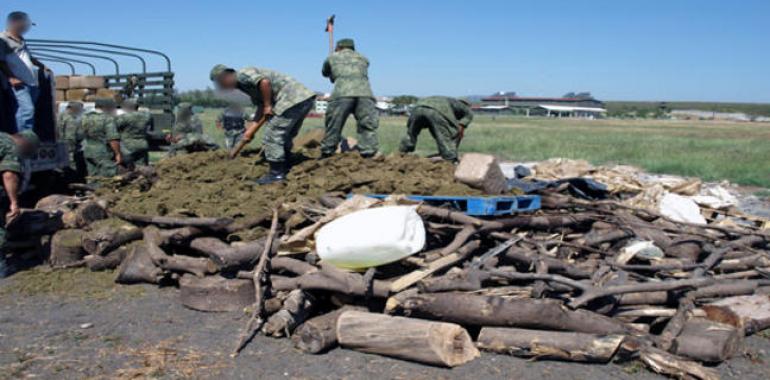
(143, 331)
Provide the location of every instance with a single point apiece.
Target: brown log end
(216, 293)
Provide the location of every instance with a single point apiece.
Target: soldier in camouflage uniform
(101, 140)
(233, 121)
(282, 99)
(349, 71)
(11, 148)
(446, 119)
(187, 134)
(68, 126)
(133, 126)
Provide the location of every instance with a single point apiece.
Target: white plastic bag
(371, 237)
(681, 209)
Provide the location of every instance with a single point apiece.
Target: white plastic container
(372, 237)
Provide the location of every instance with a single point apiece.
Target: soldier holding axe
(282, 105)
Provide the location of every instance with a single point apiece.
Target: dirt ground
(79, 325)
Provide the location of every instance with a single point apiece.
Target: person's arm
(115, 146)
(11, 186)
(266, 91)
(463, 113)
(15, 82)
(326, 70)
(113, 137)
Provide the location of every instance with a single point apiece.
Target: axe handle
(331, 39)
(248, 136)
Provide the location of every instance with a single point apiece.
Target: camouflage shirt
(9, 155)
(98, 130)
(455, 111)
(133, 125)
(349, 71)
(191, 124)
(287, 92)
(68, 127)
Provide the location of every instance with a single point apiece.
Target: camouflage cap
(30, 136)
(184, 106)
(105, 103)
(75, 105)
(346, 43)
(217, 70)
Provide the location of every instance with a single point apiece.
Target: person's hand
(461, 133)
(15, 82)
(119, 159)
(267, 110)
(13, 212)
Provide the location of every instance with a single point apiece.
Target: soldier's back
(350, 73)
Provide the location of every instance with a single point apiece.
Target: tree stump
(66, 248)
(216, 293)
(435, 343)
(707, 341)
(577, 347)
(138, 267)
(749, 314)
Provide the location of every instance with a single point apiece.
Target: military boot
(277, 173)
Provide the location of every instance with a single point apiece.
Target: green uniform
(291, 103)
(9, 162)
(188, 132)
(234, 124)
(349, 71)
(70, 132)
(442, 116)
(99, 130)
(133, 127)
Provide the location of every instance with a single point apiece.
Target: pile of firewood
(562, 283)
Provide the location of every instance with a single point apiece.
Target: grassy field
(617, 108)
(738, 152)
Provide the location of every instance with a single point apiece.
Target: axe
(330, 30)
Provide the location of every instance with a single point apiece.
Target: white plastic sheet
(681, 209)
(371, 237)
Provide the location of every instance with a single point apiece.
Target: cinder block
(481, 171)
(62, 82)
(76, 95)
(91, 82)
(60, 95)
(105, 93)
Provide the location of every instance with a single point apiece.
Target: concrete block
(91, 82)
(62, 82)
(481, 171)
(61, 95)
(76, 95)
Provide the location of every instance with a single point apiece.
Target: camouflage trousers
(232, 136)
(100, 163)
(444, 132)
(193, 142)
(135, 151)
(367, 119)
(281, 130)
(3, 238)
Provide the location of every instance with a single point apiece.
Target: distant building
(585, 107)
(709, 115)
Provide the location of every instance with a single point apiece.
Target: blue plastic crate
(478, 206)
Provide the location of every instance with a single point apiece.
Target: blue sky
(619, 50)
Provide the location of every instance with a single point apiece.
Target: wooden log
(215, 293)
(296, 309)
(435, 343)
(138, 267)
(470, 309)
(66, 248)
(179, 236)
(319, 334)
(229, 257)
(332, 279)
(34, 223)
(577, 347)
(707, 341)
(674, 366)
(749, 314)
(108, 234)
(109, 261)
(170, 221)
(83, 215)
